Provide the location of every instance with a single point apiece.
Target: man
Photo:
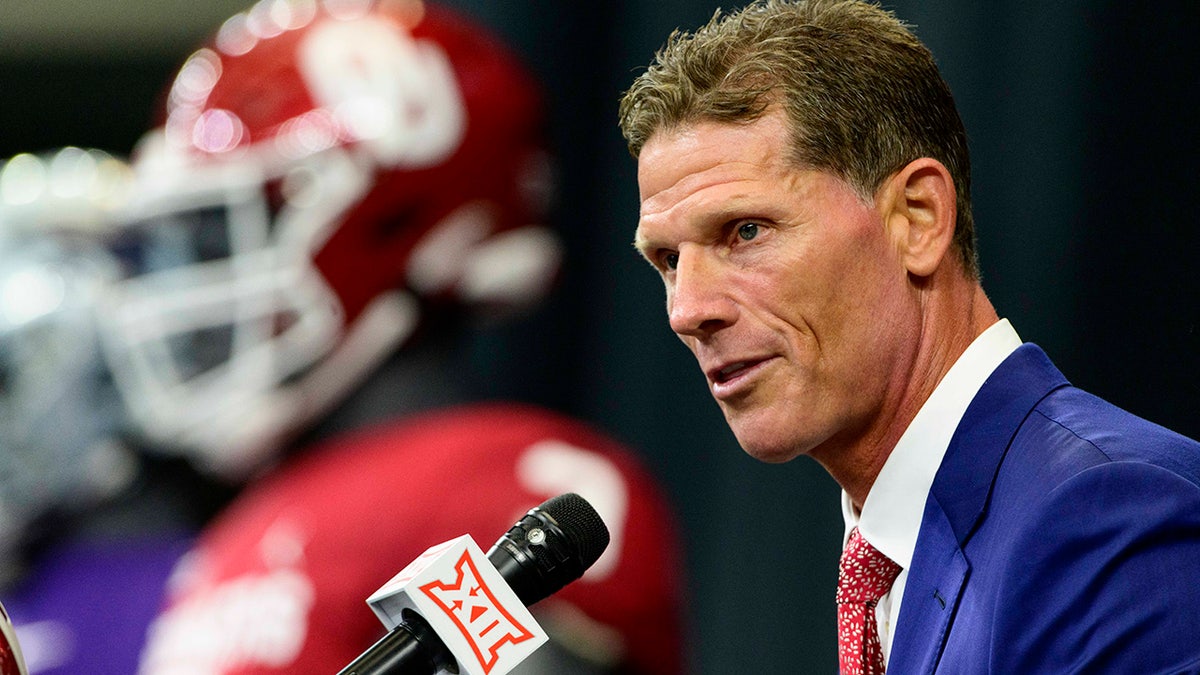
(805, 195)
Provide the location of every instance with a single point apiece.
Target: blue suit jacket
(1061, 534)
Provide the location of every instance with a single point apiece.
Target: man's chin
(768, 452)
(773, 457)
(758, 433)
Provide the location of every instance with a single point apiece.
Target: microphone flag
(469, 605)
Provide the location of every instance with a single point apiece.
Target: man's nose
(699, 302)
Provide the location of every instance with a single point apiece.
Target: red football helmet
(324, 172)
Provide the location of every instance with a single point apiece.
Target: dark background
(1082, 118)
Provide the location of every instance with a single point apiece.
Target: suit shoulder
(1109, 561)
(1083, 427)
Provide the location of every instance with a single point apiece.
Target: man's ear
(920, 214)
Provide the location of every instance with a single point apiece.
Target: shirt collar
(891, 516)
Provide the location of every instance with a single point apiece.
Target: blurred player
(330, 182)
(84, 553)
(51, 269)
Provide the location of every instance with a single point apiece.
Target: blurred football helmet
(325, 172)
(60, 416)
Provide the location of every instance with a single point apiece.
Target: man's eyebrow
(641, 244)
(711, 223)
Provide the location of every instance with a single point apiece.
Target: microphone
(548, 548)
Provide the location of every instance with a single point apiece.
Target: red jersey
(278, 583)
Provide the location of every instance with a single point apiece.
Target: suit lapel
(935, 583)
(957, 503)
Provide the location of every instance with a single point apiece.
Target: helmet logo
(395, 95)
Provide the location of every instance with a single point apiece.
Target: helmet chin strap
(511, 271)
(382, 328)
(386, 323)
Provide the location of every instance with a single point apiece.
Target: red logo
(473, 608)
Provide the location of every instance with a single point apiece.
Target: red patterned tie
(864, 576)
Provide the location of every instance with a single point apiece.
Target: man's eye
(671, 260)
(747, 231)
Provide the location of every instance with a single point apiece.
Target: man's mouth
(733, 378)
(729, 372)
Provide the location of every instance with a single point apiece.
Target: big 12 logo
(468, 604)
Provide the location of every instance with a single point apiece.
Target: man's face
(784, 283)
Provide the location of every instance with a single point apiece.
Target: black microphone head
(550, 547)
(581, 525)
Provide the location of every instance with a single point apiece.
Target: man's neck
(945, 333)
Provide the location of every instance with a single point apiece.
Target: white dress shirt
(891, 517)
